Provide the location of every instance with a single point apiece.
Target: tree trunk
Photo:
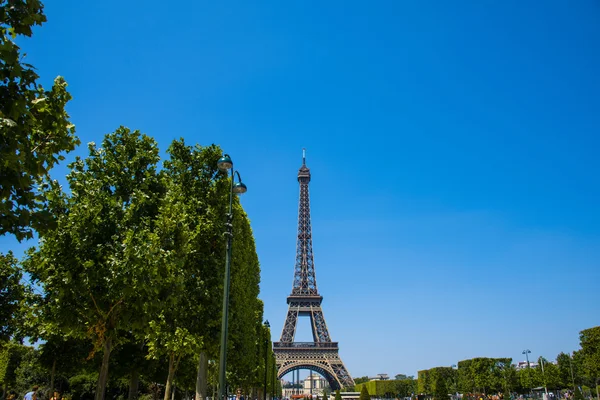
(169, 377)
(173, 392)
(103, 376)
(201, 378)
(52, 373)
(134, 382)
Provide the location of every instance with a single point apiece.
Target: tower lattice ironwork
(320, 355)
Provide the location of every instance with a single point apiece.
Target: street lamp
(544, 375)
(572, 376)
(273, 379)
(526, 352)
(453, 366)
(266, 358)
(224, 164)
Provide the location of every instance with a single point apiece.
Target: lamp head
(239, 188)
(225, 163)
(267, 324)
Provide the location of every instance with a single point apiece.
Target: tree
(11, 356)
(590, 349)
(565, 370)
(338, 395)
(364, 393)
(441, 390)
(196, 200)
(13, 295)
(97, 266)
(34, 126)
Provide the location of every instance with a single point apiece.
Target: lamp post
(453, 366)
(572, 376)
(266, 359)
(544, 375)
(273, 392)
(526, 352)
(225, 164)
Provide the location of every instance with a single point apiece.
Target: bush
(364, 393)
(83, 386)
(441, 391)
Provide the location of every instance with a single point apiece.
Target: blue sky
(453, 147)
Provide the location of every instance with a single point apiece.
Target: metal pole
(273, 380)
(572, 377)
(266, 365)
(544, 375)
(225, 311)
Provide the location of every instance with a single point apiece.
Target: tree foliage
(441, 389)
(484, 374)
(389, 388)
(590, 349)
(98, 265)
(34, 126)
(13, 297)
(364, 393)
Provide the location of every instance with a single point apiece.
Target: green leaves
(35, 127)
(14, 296)
(590, 349)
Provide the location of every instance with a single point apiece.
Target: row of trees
(127, 276)
(398, 388)
(493, 375)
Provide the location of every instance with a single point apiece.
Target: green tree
(364, 393)
(34, 126)
(441, 390)
(11, 356)
(338, 395)
(62, 357)
(13, 297)
(97, 267)
(31, 372)
(196, 199)
(590, 348)
(565, 370)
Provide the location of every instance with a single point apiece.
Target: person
(12, 395)
(55, 396)
(31, 395)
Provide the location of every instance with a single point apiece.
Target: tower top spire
(304, 172)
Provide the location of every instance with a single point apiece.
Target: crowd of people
(34, 394)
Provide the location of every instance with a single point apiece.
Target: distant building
(346, 396)
(380, 377)
(314, 384)
(523, 364)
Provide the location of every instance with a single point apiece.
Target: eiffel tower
(320, 355)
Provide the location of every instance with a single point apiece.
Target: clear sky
(453, 147)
